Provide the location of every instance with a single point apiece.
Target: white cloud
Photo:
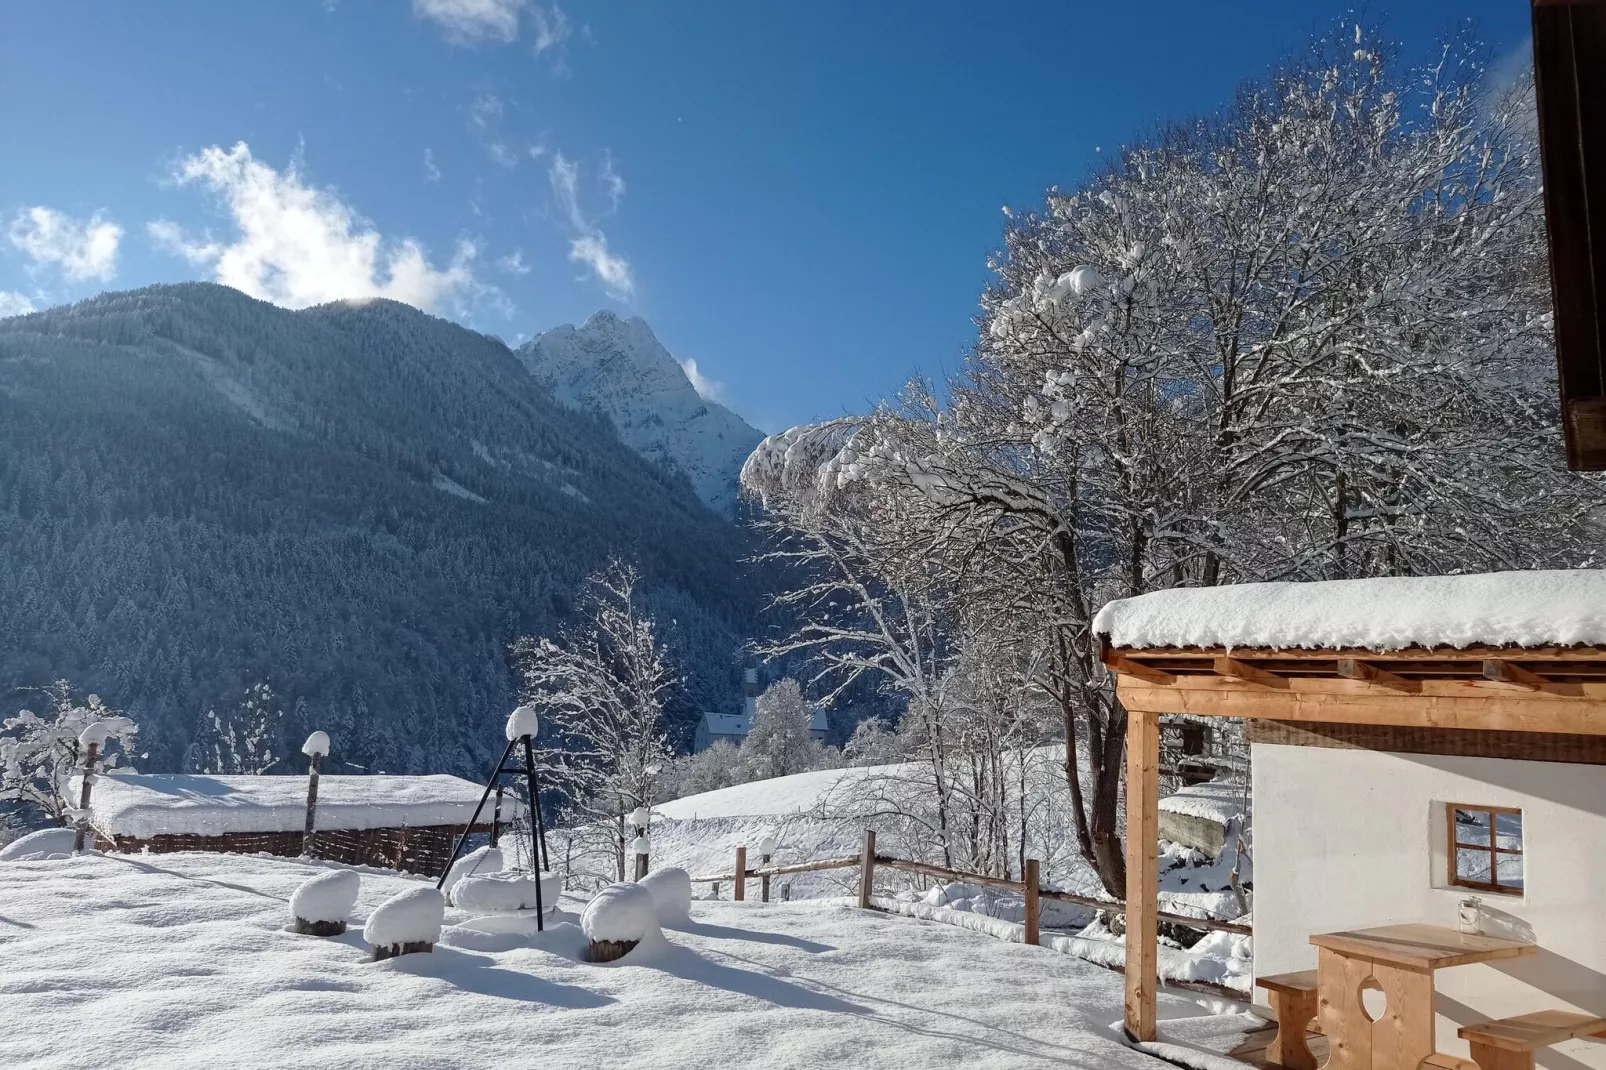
(502, 155)
(14, 304)
(82, 249)
(297, 246)
(589, 245)
(468, 22)
(612, 182)
(552, 27)
(513, 263)
(484, 111)
(431, 172)
(708, 389)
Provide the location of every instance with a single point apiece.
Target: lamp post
(316, 748)
(766, 847)
(640, 818)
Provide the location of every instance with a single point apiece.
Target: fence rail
(1032, 889)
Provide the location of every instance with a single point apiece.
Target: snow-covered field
(183, 960)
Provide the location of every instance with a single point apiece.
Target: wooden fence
(868, 861)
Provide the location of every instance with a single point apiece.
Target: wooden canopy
(1570, 78)
(1512, 689)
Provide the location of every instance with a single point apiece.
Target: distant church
(733, 727)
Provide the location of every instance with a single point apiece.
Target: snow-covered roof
(1526, 609)
(726, 724)
(739, 724)
(143, 805)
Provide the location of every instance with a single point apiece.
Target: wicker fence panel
(411, 850)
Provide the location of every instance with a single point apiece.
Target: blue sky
(801, 198)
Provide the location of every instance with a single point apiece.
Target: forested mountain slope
(359, 503)
(617, 367)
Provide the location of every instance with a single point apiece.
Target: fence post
(90, 753)
(315, 748)
(1034, 902)
(867, 869)
(741, 874)
(764, 882)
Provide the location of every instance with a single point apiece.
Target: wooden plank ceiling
(1569, 39)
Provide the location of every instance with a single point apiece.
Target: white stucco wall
(1348, 839)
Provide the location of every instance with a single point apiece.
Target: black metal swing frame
(542, 861)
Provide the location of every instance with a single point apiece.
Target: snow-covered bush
(505, 893)
(671, 892)
(322, 904)
(617, 919)
(37, 846)
(41, 753)
(483, 860)
(405, 923)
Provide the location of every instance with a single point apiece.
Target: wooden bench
(1293, 998)
(1510, 1043)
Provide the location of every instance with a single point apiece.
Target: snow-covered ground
(183, 960)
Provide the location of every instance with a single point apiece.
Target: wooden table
(1399, 960)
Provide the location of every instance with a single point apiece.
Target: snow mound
(100, 731)
(39, 846)
(1557, 607)
(326, 897)
(671, 892)
(621, 912)
(412, 917)
(524, 721)
(505, 893)
(1214, 800)
(316, 746)
(484, 860)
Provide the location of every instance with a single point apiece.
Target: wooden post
(764, 882)
(741, 874)
(1142, 871)
(91, 752)
(1034, 902)
(313, 762)
(867, 870)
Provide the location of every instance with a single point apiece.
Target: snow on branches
(41, 753)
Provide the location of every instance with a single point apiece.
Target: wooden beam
(1474, 652)
(1142, 870)
(1146, 673)
(1355, 669)
(1239, 670)
(1507, 674)
(1441, 704)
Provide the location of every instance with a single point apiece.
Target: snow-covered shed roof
(1214, 800)
(1518, 609)
(143, 805)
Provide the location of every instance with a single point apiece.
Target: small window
(1486, 848)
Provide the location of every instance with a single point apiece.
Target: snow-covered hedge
(484, 860)
(412, 918)
(671, 892)
(504, 893)
(326, 898)
(37, 846)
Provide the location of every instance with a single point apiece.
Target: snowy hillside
(357, 502)
(619, 368)
(184, 960)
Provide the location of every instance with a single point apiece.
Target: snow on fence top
(1553, 608)
(143, 805)
(1214, 800)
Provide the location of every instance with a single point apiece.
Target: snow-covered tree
(1305, 338)
(601, 686)
(874, 742)
(243, 739)
(40, 753)
(778, 741)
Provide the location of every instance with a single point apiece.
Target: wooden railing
(868, 861)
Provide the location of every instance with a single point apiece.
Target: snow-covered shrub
(37, 846)
(322, 904)
(671, 892)
(504, 893)
(483, 860)
(617, 919)
(40, 753)
(405, 923)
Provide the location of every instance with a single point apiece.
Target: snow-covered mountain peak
(618, 367)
